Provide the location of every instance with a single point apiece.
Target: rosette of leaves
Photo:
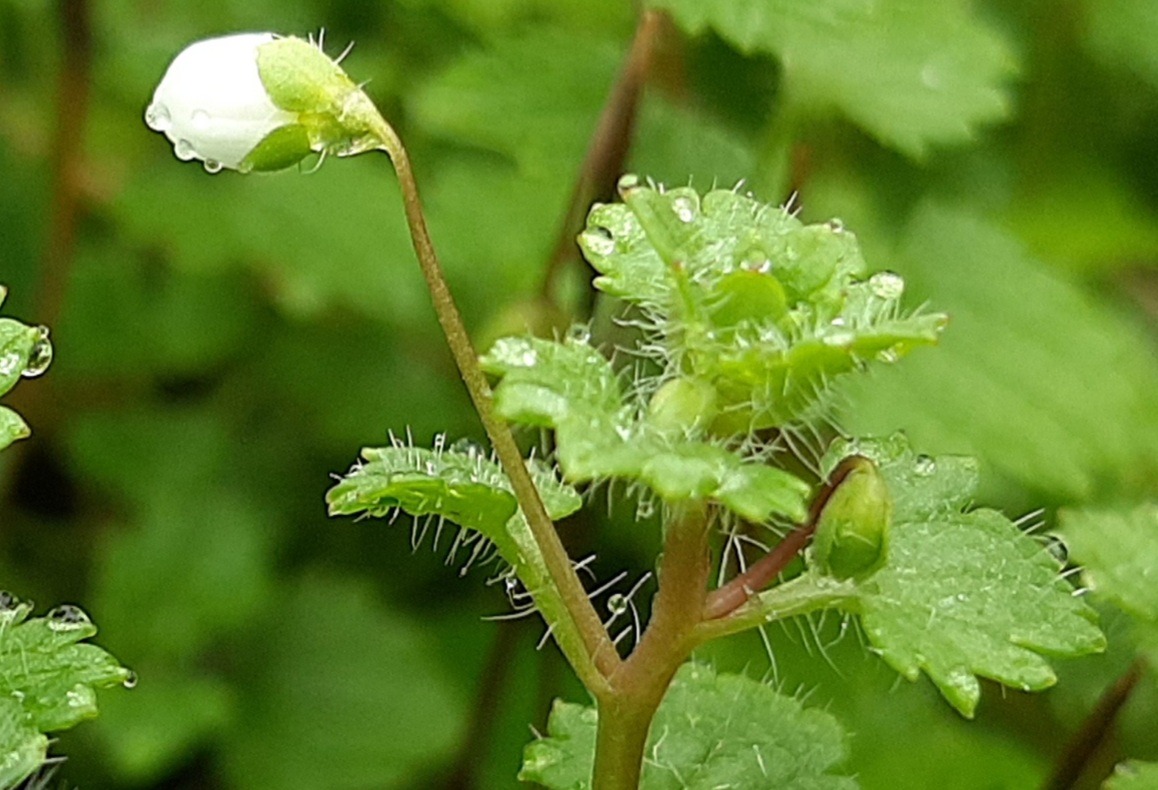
(48, 680)
(25, 352)
(748, 300)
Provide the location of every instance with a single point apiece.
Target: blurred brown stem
(607, 151)
(1080, 750)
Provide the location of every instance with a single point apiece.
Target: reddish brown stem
(730, 597)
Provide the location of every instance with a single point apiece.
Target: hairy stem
(627, 708)
(598, 657)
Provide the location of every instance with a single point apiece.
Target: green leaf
(12, 427)
(572, 388)
(23, 747)
(967, 594)
(339, 691)
(24, 351)
(912, 74)
(46, 665)
(710, 731)
(1045, 383)
(1133, 775)
(1118, 552)
(1122, 33)
(765, 308)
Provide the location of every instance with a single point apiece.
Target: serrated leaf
(1118, 552)
(967, 594)
(46, 665)
(765, 308)
(912, 74)
(572, 388)
(12, 427)
(1037, 378)
(710, 731)
(1133, 775)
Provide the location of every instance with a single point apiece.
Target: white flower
(256, 101)
(212, 104)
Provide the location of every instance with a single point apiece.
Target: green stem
(637, 688)
(804, 594)
(598, 657)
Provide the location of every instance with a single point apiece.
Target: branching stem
(598, 659)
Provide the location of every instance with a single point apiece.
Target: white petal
(211, 102)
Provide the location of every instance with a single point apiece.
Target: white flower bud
(256, 101)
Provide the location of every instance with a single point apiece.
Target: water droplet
(468, 447)
(200, 119)
(184, 150)
(760, 265)
(41, 355)
(245, 167)
(887, 285)
(836, 225)
(684, 208)
(8, 601)
(924, 465)
(646, 508)
(617, 604)
(157, 117)
(212, 166)
(627, 183)
(579, 333)
(130, 680)
(67, 618)
(598, 241)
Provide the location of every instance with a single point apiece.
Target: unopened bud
(682, 405)
(852, 531)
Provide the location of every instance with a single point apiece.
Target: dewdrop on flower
(256, 101)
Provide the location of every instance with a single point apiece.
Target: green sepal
(852, 532)
(284, 147)
(300, 78)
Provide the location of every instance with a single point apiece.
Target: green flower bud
(682, 405)
(852, 532)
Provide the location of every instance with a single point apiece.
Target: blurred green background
(225, 343)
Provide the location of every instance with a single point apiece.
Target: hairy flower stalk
(256, 101)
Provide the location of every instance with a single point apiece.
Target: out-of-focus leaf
(571, 387)
(913, 74)
(1122, 33)
(1118, 552)
(1039, 380)
(710, 731)
(967, 594)
(341, 692)
(1133, 775)
(169, 714)
(535, 99)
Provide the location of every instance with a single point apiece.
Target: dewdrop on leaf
(256, 101)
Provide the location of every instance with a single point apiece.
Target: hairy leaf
(966, 594)
(571, 387)
(912, 74)
(710, 731)
(48, 679)
(1118, 552)
(766, 309)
